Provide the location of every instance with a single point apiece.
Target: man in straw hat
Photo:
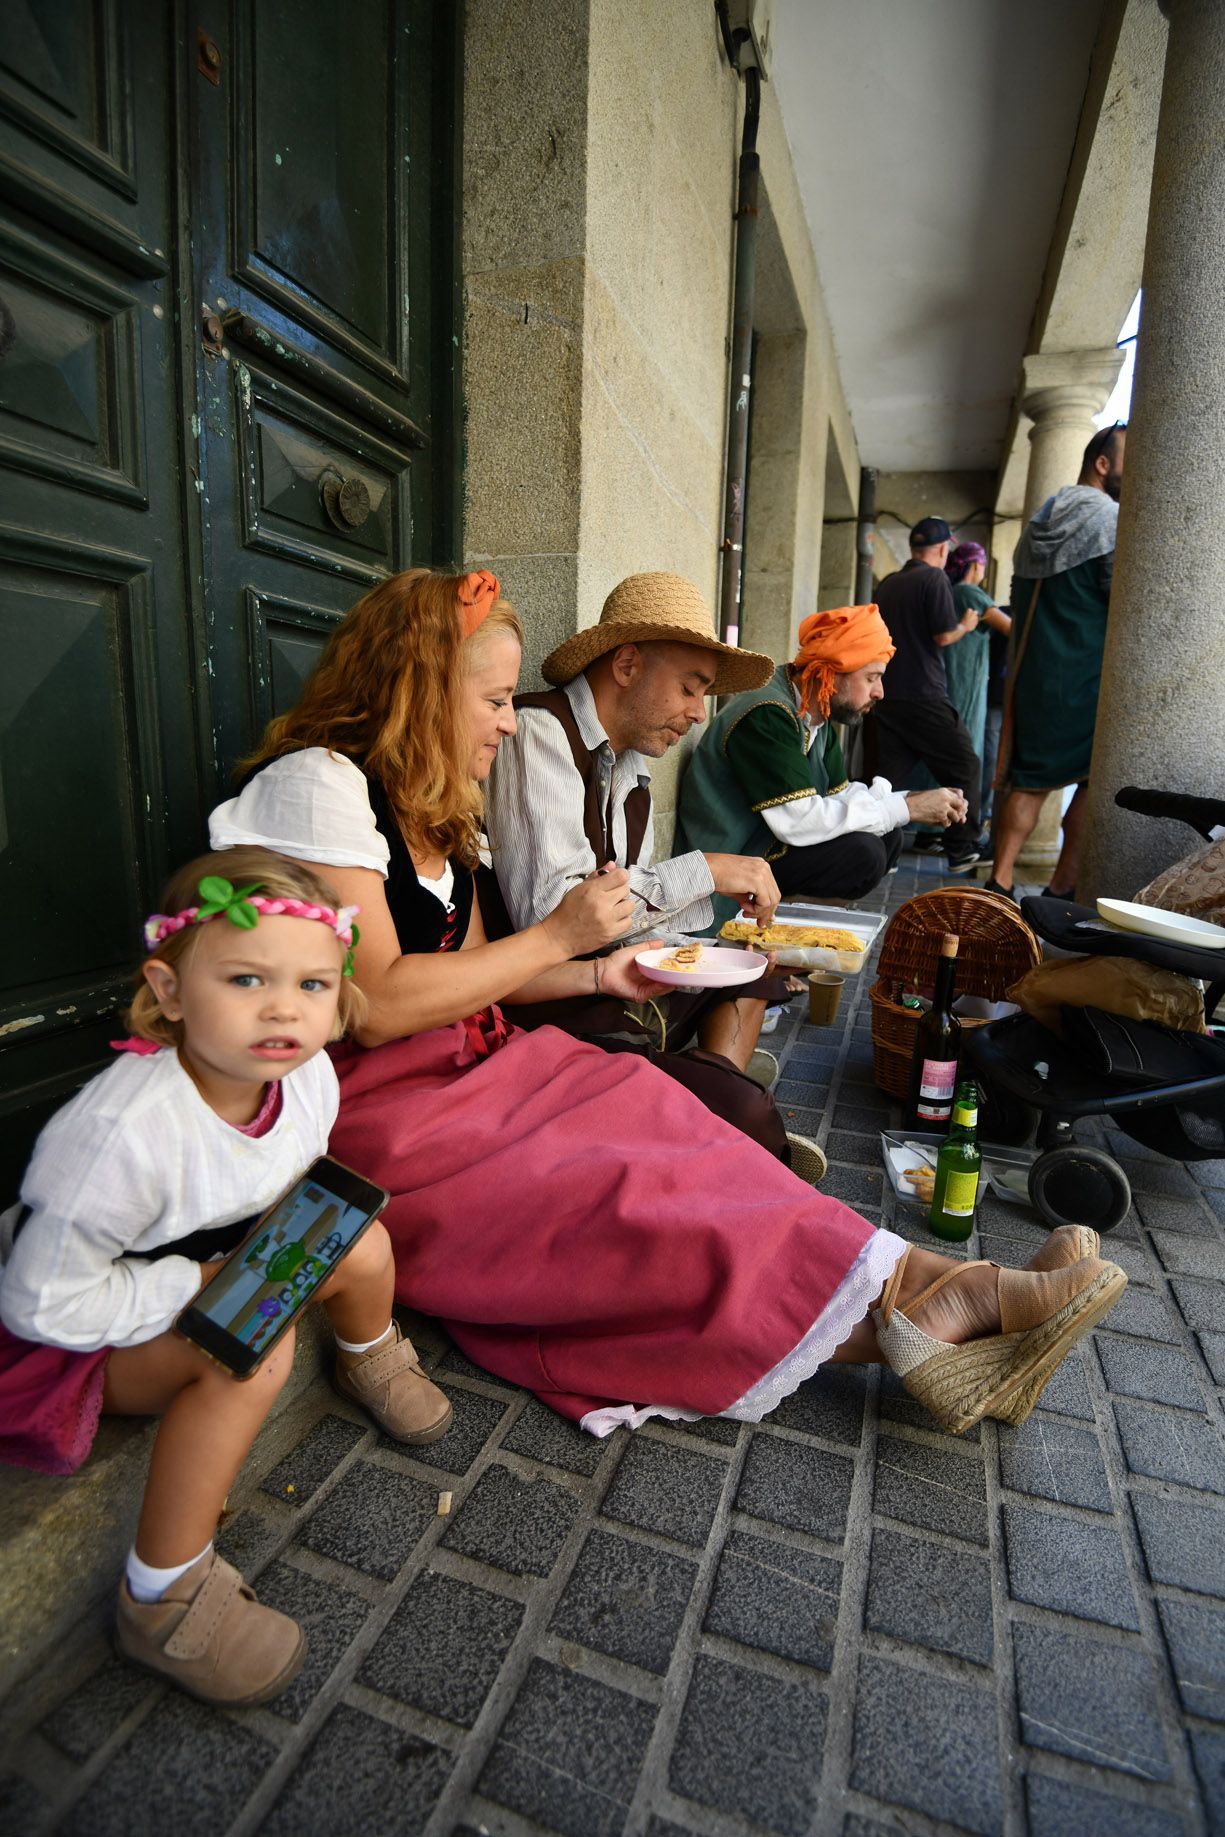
(571, 792)
(767, 775)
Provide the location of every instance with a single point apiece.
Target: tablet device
(263, 1285)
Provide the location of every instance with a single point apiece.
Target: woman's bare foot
(967, 1307)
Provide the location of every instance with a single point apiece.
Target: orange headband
(476, 594)
(833, 643)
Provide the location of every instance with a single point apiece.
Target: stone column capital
(1068, 386)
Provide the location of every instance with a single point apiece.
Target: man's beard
(842, 712)
(1114, 486)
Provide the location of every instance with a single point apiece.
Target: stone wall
(600, 154)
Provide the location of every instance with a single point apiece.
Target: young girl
(154, 1169)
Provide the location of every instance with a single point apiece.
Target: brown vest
(596, 827)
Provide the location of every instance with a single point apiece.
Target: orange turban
(477, 593)
(832, 643)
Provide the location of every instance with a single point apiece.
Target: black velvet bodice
(422, 922)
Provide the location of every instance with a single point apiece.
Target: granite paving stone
(625, 1599)
(1059, 1808)
(187, 1768)
(1191, 1256)
(1195, 1634)
(830, 1405)
(1055, 1460)
(93, 1712)
(569, 1753)
(929, 1743)
(371, 1519)
(1172, 1445)
(795, 1484)
(456, 1364)
(855, 1186)
(776, 1599)
(710, 1429)
(474, 1420)
(1208, 1750)
(750, 1744)
(22, 1807)
(1199, 1303)
(1066, 1392)
(1083, 1698)
(667, 1489)
(1063, 1563)
(802, 1121)
(330, 1617)
(246, 1539)
(299, 1476)
(1184, 1542)
(929, 1596)
(443, 1647)
(361, 1777)
(1212, 1345)
(540, 1434)
(1160, 1213)
(862, 1150)
(931, 1489)
(515, 1524)
(1157, 1177)
(861, 1114)
(1137, 1368)
(1145, 1314)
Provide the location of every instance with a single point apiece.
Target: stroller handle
(1203, 814)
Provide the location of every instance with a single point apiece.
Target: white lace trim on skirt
(844, 1310)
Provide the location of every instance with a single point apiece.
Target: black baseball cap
(928, 531)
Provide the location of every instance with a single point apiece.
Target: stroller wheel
(1079, 1186)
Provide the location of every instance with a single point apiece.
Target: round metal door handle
(346, 500)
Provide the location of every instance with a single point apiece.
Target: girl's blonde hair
(257, 868)
(388, 693)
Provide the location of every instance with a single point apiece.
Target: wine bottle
(937, 1044)
(958, 1166)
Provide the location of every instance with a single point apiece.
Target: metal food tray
(995, 1156)
(865, 925)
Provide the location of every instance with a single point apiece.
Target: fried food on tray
(684, 957)
(791, 937)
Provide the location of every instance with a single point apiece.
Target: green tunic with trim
(752, 757)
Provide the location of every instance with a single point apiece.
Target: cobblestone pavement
(838, 1621)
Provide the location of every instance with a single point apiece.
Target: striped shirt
(534, 822)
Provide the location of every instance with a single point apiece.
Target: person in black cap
(916, 721)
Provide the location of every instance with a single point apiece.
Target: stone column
(1161, 719)
(1061, 392)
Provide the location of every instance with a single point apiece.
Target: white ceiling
(932, 140)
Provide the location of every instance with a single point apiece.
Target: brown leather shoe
(209, 1635)
(392, 1389)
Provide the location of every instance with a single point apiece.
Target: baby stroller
(1165, 1090)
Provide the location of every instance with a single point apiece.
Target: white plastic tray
(996, 1159)
(865, 925)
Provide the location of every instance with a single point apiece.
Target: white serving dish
(722, 966)
(1152, 922)
(997, 1161)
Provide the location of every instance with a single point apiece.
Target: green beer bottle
(957, 1169)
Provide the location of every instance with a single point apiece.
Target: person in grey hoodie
(1060, 596)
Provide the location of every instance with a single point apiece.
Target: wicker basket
(997, 947)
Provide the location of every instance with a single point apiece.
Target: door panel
(62, 71)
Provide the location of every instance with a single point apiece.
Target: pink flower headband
(242, 906)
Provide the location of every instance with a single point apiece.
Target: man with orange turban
(767, 776)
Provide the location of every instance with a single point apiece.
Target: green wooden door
(225, 262)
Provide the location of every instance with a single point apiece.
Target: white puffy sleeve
(313, 805)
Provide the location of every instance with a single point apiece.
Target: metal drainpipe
(865, 531)
(741, 373)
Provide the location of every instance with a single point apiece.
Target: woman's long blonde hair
(388, 693)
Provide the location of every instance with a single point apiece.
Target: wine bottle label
(936, 1084)
(964, 1116)
(960, 1193)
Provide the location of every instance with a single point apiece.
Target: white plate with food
(1152, 922)
(701, 965)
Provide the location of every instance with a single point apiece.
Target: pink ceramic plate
(720, 967)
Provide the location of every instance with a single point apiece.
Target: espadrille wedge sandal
(1042, 1315)
(1067, 1244)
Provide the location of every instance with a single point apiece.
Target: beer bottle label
(936, 1085)
(959, 1195)
(965, 1116)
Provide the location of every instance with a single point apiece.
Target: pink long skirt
(581, 1224)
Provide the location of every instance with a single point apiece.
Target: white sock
(366, 1345)
(149, 1584)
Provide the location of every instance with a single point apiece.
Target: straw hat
(649, 607)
